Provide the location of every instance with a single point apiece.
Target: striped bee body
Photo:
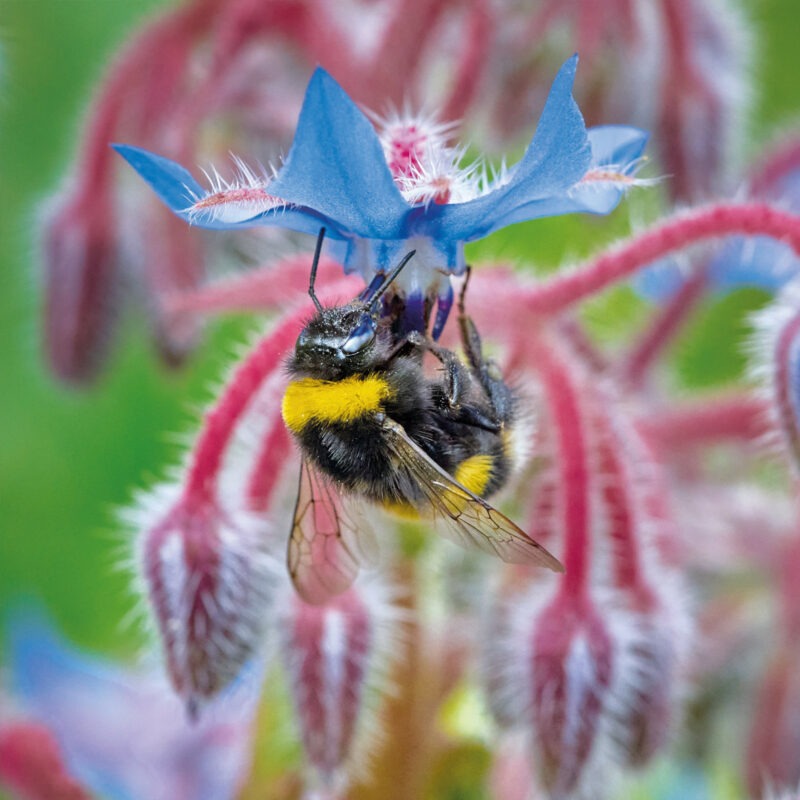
(340, 425)
(371, 422)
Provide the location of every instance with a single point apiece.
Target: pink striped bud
(555, 672)
(80, 256)
(336, 656)
(774, 740)
(571, 663)
(703, 94)
(777, 347)
(648, 685)
(647, 613)
(210, 581)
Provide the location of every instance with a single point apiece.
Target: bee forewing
(328, 542)
(461, 516)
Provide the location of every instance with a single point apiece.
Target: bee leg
(486, 370)
(470, 338)
(456, 387)
(456, 381)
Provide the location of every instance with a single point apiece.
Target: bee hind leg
(486, 370)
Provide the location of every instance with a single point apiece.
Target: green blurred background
(68, 458)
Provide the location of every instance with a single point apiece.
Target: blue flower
(124, 733)
(380, 196)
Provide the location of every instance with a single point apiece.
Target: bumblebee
(372, 424)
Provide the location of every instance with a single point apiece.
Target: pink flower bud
(649, 687)
(80, 258)
(703, 94)
(555, 670)
(645, 605)
(336, 656)
(571, 664)
(170, 260)
(32, 766)
(774, 739)
(210, 581)
(777, 346)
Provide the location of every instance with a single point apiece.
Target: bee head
(344, 340)
(340, 341)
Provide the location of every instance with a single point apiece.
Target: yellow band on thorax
(310, 400)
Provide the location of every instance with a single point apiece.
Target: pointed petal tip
(569, 68)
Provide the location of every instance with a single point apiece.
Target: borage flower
(380, 196)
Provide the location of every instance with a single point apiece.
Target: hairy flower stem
(756, 219)
(784, 356)
(220, 422)
(617, 497)
(657, 337)
(561, 393)
(273, 452)
(737, 417)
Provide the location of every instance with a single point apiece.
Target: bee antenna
(390, 279)
(314, 265)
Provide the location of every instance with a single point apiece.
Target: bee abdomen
(475, 473)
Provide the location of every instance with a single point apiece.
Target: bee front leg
(455, 380)
(455, 398)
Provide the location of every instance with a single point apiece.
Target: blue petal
(55, 683)
(171, 182)
(179, 191)
(754, 261)
(336, 165)
(616, 145)
(557, 157)
(660, 280)
(124, 733)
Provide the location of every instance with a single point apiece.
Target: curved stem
(273, 450)
(756, 219)
(221, 420)
(564, 408)
(708, 421)
(247, 379)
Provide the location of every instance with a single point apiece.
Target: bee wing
(460, 515)
(329, 539)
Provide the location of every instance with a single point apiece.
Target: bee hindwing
(330, 540)
(460, 515)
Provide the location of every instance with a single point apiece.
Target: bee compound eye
(360, 336)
